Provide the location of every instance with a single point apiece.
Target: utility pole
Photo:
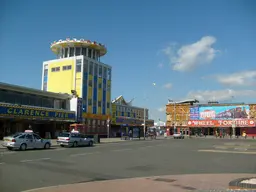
(144, 124)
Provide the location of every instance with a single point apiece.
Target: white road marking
(33, 160)
(82, 154)
(2, 163)
(145, 147)
(237, 152)
(120, 150)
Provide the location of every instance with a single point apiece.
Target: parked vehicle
(178, 136)
(74, 139)
(26, 140)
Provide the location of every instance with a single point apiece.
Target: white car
(26, 140)
(74, 139)
(178, 136)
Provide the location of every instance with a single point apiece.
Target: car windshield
(64, 134)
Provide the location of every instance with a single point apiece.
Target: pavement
(132, 165)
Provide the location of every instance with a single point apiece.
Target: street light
(144, 118)
(174, 103)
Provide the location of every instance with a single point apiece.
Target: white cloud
(220, 95)
(188, 57)
(167, 86)
(160, 65)
(244, 78)
(161, 109)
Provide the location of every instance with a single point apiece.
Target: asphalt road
(40, 168)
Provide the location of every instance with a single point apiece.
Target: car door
(29, 141)
(37, 141)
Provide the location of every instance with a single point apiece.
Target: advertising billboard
(220, 112)
(194, 113)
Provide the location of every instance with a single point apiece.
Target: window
(89, 101)
(66, 52)
(90, 83)
(78, 65)
(95, 69)
(108, 105)
(45, 72)
(53, 69)
(94, 54)
(105, 73)
(108, 88)
(100, 85)
(64, 68)
(85, 66)
(29, 136)
(94, 103)
(69, 67)
(109, 74)
(90, 53)
(71, 51)
(91, 68)
(99, 103)
(84, 51)
(78, 50)
(100, 71)
(36, 136)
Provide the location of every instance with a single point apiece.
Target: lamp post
(144, 124)
(108, 122)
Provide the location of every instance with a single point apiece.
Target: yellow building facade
(78, 69)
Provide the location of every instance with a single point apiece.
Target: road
(39, 168)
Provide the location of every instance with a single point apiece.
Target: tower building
(78, 70)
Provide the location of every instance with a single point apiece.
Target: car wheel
(23, 147)
(62, 145)
(75, 144)
(9, 148)
(47, 146)
(90, 143)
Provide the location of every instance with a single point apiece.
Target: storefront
(221, 120)
(125, 124)
(45, 121)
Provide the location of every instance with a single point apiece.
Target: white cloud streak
(243, 78)
(167, 86)
(220, 95)
(188, 57)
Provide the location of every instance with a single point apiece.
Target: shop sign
(222, 123)
(38, 113)
(220, 112)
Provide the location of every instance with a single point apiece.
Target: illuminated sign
(35, 113)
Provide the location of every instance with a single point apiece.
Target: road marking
(220, 151)
(33, 160)
(146, 147)
(2, 163)
(82, 154)
(120, 150)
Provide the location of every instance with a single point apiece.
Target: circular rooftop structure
(57, 46)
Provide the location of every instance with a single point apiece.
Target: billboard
(220, 112)
(194, 113)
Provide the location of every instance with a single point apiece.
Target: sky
(158, 50)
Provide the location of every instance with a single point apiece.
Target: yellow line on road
(222, 151)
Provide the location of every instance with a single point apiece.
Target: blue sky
(190, 49)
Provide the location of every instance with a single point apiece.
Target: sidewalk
(102, 141)
(176, 183)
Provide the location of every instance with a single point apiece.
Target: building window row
(76, 51)
(97, 70)
(29, 99)
(67, 67)
(55, 69)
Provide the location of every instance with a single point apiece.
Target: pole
(144, 124)
(108, 121)
(174, 117)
